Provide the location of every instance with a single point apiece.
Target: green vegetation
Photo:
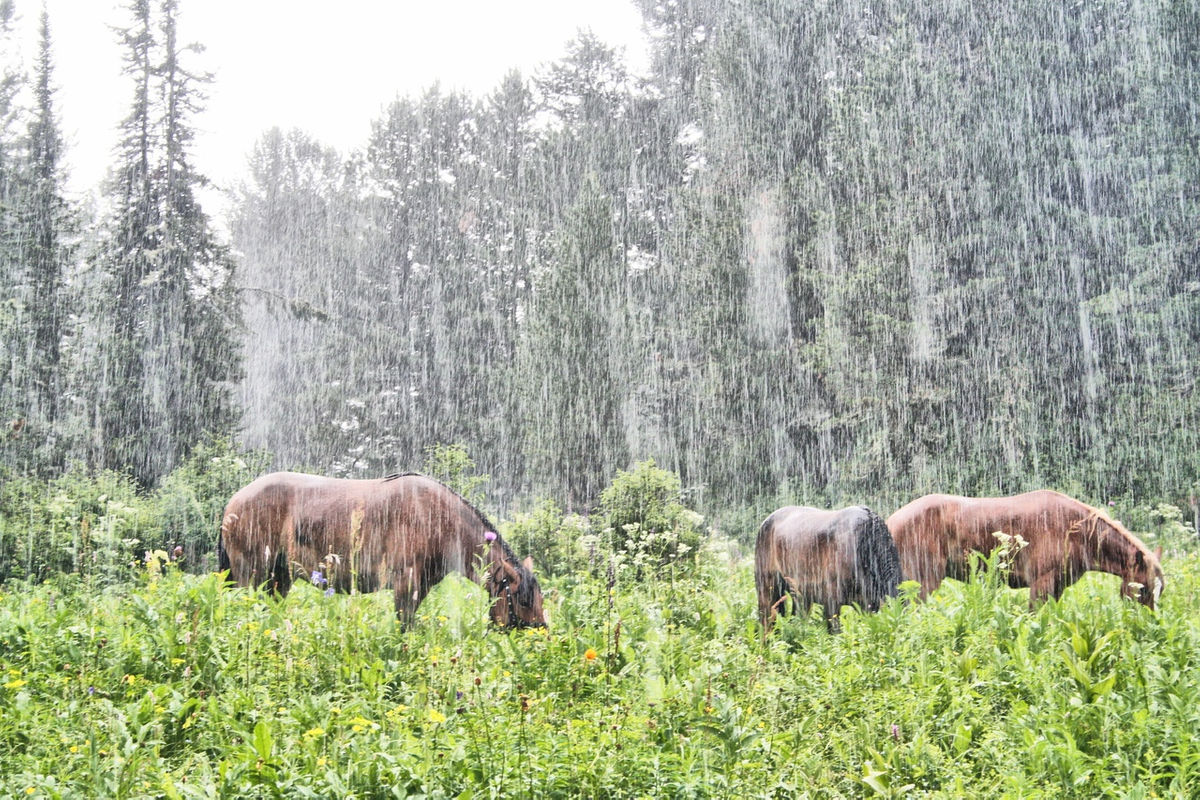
(177, 687)
(163, 683)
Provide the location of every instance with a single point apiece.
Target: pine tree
(171, 355)
(45, 223)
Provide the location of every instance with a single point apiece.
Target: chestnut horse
(936, 534)
(834, 558)
(405, 532)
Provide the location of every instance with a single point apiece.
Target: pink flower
(490, 536)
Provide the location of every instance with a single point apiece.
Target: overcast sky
(328, 68)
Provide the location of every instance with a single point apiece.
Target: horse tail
(223, 562)
(762, 552)
(878, 560)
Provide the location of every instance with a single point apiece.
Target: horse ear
(1158, 552)
(528, 563)
(510, 570)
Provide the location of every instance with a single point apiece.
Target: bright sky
(328, 68)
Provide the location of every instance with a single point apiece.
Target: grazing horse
(829, 557)
(1065, 538)
(405, 532)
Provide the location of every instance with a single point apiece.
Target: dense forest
(842, 251)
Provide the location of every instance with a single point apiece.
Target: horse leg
(281, 575)
(408, 593)
(771, 591)
(1043, 587)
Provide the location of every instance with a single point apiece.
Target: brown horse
(936, 534)
(834, 558)
(405, 532)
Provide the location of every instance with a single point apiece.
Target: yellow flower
(314, 733)
(589, 654)
(436, 716)
(17, 684)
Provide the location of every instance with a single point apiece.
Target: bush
(190, 500)
(644, 517)
(554, 541)
(453, 466)
(93, 524)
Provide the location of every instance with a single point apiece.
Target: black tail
(223, 564)
(878, 561)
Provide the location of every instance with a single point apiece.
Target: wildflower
(17, 684)
(436, 716)
(317, 578)
(895, 731)
(490, 536)
(329, 592)
(589, 654)
(314, 733)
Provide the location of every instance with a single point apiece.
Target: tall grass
(180, 687)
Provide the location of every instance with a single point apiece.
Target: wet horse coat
(834, 558)
(936, 534)
(404, 532)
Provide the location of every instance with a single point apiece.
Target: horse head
(1143, 581)
(517, 599)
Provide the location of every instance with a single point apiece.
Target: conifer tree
(171, 354)
(45, 223)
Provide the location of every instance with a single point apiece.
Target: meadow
(645, 685)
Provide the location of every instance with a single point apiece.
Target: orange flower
(589, 654)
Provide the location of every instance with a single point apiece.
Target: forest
(832, 253)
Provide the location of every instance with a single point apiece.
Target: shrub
(453, 466)
(644, 517)
(555, 541)
(190, 500)
(93, 524)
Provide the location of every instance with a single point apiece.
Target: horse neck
(1113, 548)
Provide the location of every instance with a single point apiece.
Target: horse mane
(1092, 520)
(878, 561)
(528, 582)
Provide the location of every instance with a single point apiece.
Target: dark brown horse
(936, 535)
(834, 558)
(405, 532)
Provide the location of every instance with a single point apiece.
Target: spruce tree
(171, 355)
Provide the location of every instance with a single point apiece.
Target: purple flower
(490, 536)
(317, 578)
(1112, 503)
(458, 695)
(91, 690)
(329, 592)
(895, 731)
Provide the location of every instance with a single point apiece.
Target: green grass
(183, 688)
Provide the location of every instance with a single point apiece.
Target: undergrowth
(177, 686)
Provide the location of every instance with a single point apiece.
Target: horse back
(819, 539)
